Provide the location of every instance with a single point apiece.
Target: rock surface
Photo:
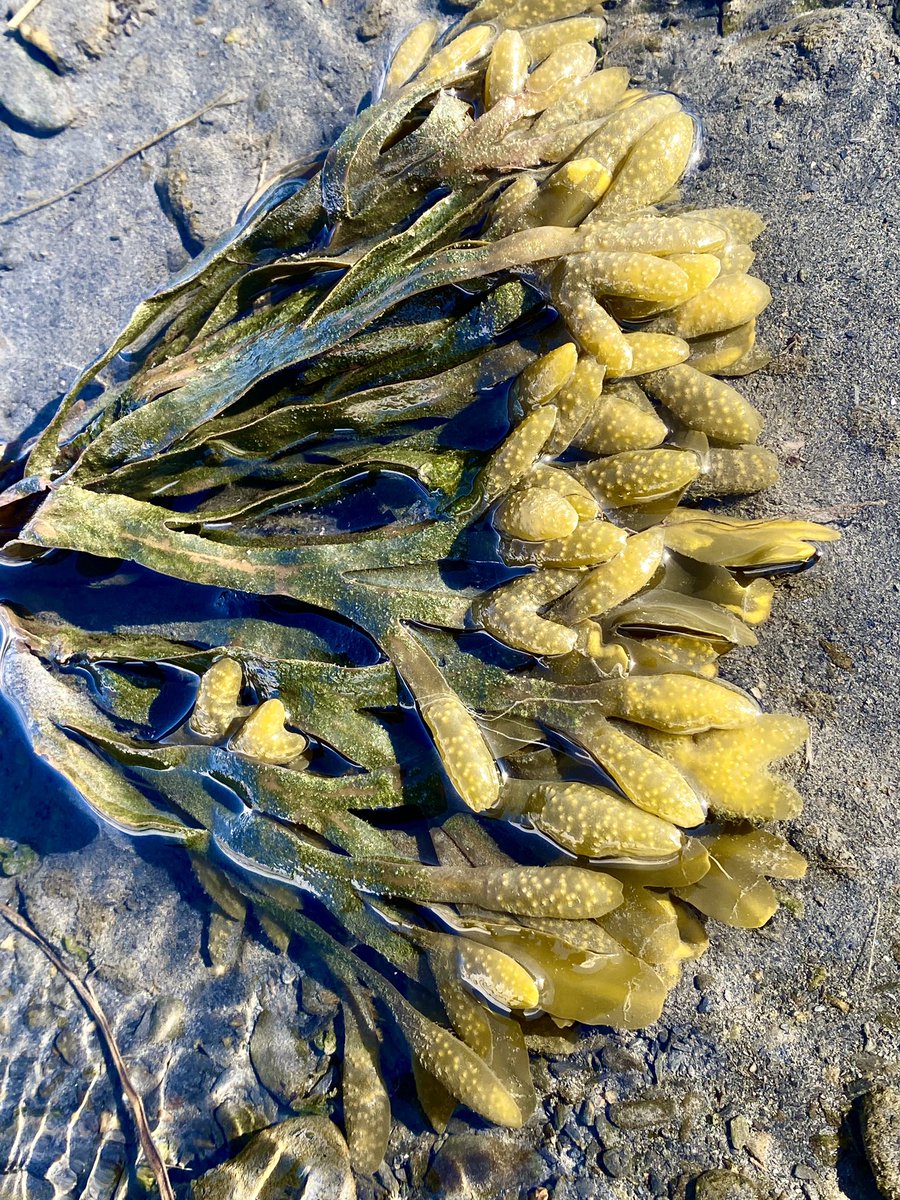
(33, 99)
(70, 35)
(725, 1185)
(284, 1063)
(763, 1051)
(881, 1133)
(302, 1156)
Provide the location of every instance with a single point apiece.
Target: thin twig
(219, 102)
(872, 945)
(88, 998)
(22, 15)
(840, 512)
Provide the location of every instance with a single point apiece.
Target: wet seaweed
(461, 388)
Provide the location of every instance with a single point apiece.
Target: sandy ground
(759, 1064)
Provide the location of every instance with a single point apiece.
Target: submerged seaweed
(455, 392)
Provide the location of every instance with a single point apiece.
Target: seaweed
(459, 387)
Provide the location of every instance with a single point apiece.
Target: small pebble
(35, 98)
(616, 1163)
(644, 1114)
(725, 1185)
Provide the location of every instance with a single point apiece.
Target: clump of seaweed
(460, 388)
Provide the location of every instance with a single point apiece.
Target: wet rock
(644, 1113)
(738, 1132)
(881, 1136)
(807, 1175)
(39, 1016)
(11, 256)
(223, 941)
(32, 98)
(68, 34)
(236, 1120)
(473, 1166)
(285, 1064)
(67, 1046)
(206, 180)
(302, 1156)
(376, 15)
(657, 1184)
(559, 1116)
(316, 999)
(586, 1188)
(15, 857)
(64, 1180)
(20, 1183)
(621, 1061)
(725, 1185)
(417, 1163)
(127, 16)
(166, 1020)
(50, 1086)
(617, 1163)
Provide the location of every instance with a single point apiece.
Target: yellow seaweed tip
(264, 737)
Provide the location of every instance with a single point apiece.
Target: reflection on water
(133, 917)
(215, 1052)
